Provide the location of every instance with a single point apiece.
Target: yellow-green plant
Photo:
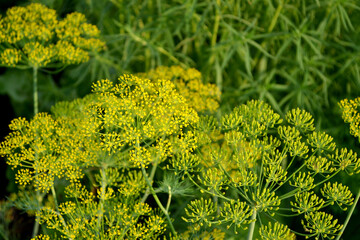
(32, 37)
(265, 169)
(114, 164)
(351, 115)
(202, 97)
(114, 140)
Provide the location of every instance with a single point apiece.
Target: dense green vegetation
(254, 119)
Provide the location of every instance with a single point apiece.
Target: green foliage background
(289, 53)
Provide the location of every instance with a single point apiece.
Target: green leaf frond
(173, 184)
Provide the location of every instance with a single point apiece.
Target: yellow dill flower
(69, 27)
(92, 44)
(74, 29)
(236, 213)
(306, 202)
(37, 54)
(34, 22)
(266, 201)
(41, 237)
(10, 57)
(215, 234)
(321, 225)
(338, 193)
(45, 39)
(23, 177)
(133, 184)
(140, 156)
(202, 97)
(67, 207)
(69, 54)
(200, 211)
(276, 231)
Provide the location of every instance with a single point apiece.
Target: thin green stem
(204, 190)
(328, 178)
(39, 199)
(169, 199)
(214, 37)
(289, 194)
(275, 17)
(158, 201)
(349, 215)
(243, 194)
(102, 196)
(53, 192)
(252, 225)
(35, 90)
(152, 174)
(288, 178)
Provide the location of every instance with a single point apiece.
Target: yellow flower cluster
(39, 153)
(37, 54)
(258, 154)
(202, 97)
(129, 124)
(80, 218)
(10, 57)
(191, 233)
(351, 115)
(142, 110)
(321, 225)
(33, 36)
(276, 231)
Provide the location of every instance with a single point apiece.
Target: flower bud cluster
(34, 36)
(200, 96)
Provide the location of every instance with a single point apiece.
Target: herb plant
(152, 155)
(113, 164)
(108, 139)
(32, 37)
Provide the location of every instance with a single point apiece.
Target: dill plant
(350, 114)
(104, 150)
(289, 53)
(115, 163)
(32, 37)
(188, 82)
(263, 169)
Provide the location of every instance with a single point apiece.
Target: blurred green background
(289, 53)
